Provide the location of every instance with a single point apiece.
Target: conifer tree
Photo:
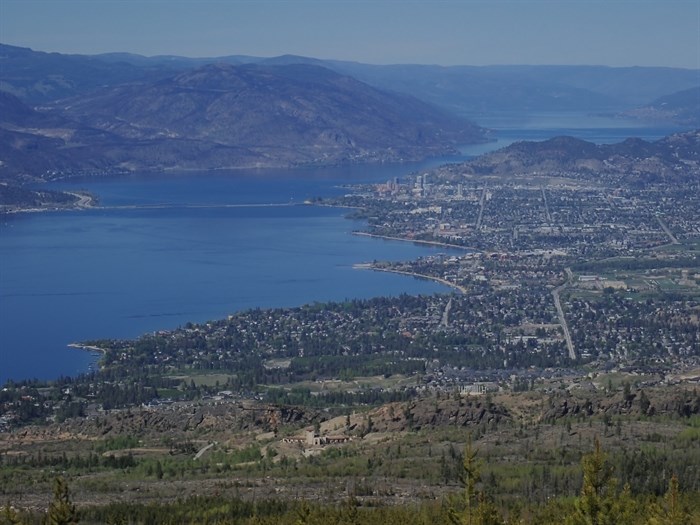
(61, 510)
(675, 513)
(9, 516)
(672, 512)
(624, 506)
(478, 510)
(486, 511)
(303, 512)
(599, 502)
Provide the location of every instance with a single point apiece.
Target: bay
(170, 248)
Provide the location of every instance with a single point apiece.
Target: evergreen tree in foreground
(600, 503)
(9, 516)
(672, 511)
(61, 509)
(478, 509)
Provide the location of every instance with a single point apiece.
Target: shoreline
(369, 266)
(415, 241)
(87, 348)
(83, 207)
(85, 201)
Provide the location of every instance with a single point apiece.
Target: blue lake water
(185, 253)
(71, 276)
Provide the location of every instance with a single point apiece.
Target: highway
(560, 313)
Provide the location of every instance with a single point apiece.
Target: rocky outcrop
(176, 421)
(432, 412)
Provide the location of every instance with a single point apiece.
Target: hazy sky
(475, 32)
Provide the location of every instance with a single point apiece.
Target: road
(446, 314)
(481, 208)
(546, 206)
(462, 289)
(203, 450)
(560, 313)
(84, 200)
(197, 206)
(667, 231)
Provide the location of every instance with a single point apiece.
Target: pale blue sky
(473, 32)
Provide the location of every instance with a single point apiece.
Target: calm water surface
(120, 272)
(172, 248)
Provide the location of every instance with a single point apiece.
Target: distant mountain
(15, 114)
(224, 116)
(485, 90)
(31, 142)
(74, 114)
(675, 158)
(682, 107)
(38, 77)
(40, 145)
(472, 91)
(286, 115)
(482, 91)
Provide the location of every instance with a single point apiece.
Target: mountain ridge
(682, 107)
(469, 90)
(675, 158)
(225, 116)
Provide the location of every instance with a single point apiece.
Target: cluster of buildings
(313, 438)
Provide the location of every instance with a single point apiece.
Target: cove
(173, 248)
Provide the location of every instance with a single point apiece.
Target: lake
(192, 255)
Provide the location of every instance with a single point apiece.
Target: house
(312, 438)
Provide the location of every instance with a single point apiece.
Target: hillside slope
(675, 158)
(682, 107)
(224, 116)
(295, 114)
